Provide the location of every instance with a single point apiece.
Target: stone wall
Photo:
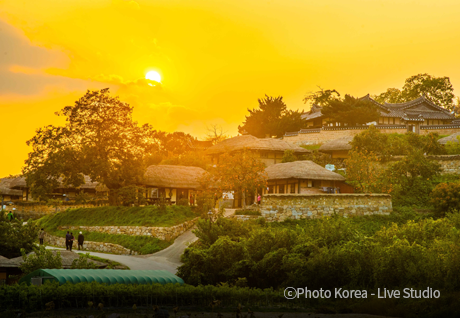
(279, 207)
(89, 246)
(163, 233)
(321, 135)
(33, 211)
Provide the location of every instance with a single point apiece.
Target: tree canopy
(241, 172)
(321, 97)
(437, 89)
(352, 111)
(99, 139)
(272, 118)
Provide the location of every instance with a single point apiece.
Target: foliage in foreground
(446, 197)
(77, 296)
(328, 253)
(41, 258)
(15, 236)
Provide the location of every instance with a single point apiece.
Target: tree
(241, 172)
(40, 259)
(445, 197)
(272, 118)
(365, 173)
(289, 156)
(437, 89)
(351, 111)
(194, 159)
(99, 139)
(216, 134)
(321, 97)
(15, 236)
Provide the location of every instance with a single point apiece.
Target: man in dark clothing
(81, 239)
(71, 241)
(67, 240)
(41, 236)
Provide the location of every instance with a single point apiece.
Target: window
(394, 121)
(281, 188)
(292, 188)
(154, 193)
(270, 189)
(264, 155)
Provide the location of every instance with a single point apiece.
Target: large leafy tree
(14, 236)
(321, 97)
(438, 89)
(351, 111)
(99, 139)
(242, 172)
(272, 118)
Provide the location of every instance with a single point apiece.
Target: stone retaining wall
(163, 233)
(89, 246)
(279, 207)
(37, 211)
(327, 135)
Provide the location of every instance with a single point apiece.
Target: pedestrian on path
(67, 240)
(259, 198)
(81, 239)
(41, 236)
(71, 241)
(10, 216)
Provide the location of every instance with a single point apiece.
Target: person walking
(71, 241)
(81, 239)
(67, 240)
(41, 236)
(259, 198)
(10, 216)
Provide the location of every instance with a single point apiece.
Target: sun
(153, 76)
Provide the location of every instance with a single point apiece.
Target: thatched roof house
(172, 182)
(271, 150)
(6, 192)
(89, 186)
(337, 148)
(301, 177)
(452, 138)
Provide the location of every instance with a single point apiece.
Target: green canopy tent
(107, 276)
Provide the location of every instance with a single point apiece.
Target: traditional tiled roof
(422, 108)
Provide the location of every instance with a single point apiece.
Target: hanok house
(304, 177)
(413, 114)
(270, 150)
(338, 148)
(7, 193)
(173, 183)
(451, 138)
(64, 192)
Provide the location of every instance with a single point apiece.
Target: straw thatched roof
(67, 258)
(20, 183)
(452, 137)
(254, 143)
(169, 176)
(337, 144)
(304, 169)
(5, 187)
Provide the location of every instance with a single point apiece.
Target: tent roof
(107, 276)
(451, 138)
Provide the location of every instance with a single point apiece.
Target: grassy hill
(119, 216)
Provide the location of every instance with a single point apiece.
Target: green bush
(445, 197)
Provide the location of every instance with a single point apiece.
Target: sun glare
(153, 76)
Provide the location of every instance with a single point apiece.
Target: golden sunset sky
(216, 57)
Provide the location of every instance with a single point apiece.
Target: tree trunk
(113, 197)
(243, 199)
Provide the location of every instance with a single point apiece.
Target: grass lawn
(118, 215)
(110, 264)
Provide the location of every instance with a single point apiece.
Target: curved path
(167, 259)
